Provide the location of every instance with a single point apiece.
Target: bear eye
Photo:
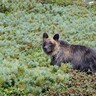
(44, 44)
(51, 44)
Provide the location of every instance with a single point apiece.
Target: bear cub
(82, 58)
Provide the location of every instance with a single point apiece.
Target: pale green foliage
(24, 68)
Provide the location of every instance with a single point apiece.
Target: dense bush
(28, 5)
(24, 68)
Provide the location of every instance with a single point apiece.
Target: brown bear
(81, 57)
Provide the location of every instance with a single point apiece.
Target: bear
(82, 58)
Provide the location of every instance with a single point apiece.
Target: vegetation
(24, 68)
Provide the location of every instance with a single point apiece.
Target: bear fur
(81, 57)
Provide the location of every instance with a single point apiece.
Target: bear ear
(45, 35)
(56, 37)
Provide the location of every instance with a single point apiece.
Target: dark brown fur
(81, 57)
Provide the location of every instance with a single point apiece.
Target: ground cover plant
(24, 68)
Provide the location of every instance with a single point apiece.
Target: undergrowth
(24, 68)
